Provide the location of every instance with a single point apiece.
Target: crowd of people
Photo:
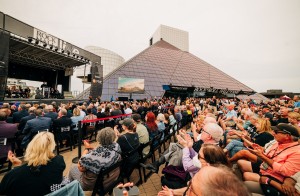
(216, 139)
(17, 92)
(26, 92)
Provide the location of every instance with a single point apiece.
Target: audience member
(93, 160)
(35, 125)
(42, 172)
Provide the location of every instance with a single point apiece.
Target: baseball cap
(127, 122)
(286, 128)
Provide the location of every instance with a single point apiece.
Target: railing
(84, 94)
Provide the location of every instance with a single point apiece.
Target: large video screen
(131, 85)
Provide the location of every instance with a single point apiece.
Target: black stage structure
(29, 53)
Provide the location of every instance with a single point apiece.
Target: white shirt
(128, 111)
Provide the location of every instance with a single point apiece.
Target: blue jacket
(73, 188)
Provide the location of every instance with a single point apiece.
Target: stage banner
(96, 80)
(4, 55)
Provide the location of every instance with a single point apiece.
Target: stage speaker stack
(4, 55)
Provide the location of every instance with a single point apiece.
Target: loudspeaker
(89, 77)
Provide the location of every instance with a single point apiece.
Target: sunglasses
(282, 131)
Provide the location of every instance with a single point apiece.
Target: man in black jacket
(62, 126)
(22, 112)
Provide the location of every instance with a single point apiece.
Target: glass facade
(164, 64)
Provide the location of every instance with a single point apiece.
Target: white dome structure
(110, 61)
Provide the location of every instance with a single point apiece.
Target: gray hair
(160, 117)
(63, 111)
(106, 136)
(214, 130)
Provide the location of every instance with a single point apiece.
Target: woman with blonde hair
(76, 118)
(42, 172)
(262, 136)
(294, 119)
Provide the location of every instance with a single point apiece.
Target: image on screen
(131, 85)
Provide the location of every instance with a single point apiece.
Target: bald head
(219, 181)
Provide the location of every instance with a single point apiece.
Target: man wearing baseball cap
(280, 161)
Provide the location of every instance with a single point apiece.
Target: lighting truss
(36, 61)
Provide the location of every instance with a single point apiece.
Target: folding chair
(105, 173)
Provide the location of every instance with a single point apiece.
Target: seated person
(211, 180)
(211, 134)
(75, 119)
(62, 127)
(151, 126)
(160, 123)
(7, 134)
(129, 143)
(35, 125)
(227, 120)
(281, 160)
(93, 160)
(262, 137)
(42, 172)
(209, 154)
(290, 185)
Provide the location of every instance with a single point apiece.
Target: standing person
(42, 172)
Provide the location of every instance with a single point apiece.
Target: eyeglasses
(199, 157)
(206, 132)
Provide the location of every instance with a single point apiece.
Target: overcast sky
(255, 41)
